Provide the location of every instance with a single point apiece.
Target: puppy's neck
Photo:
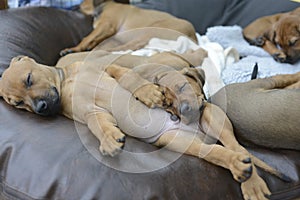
(67, 76)
(68, 71)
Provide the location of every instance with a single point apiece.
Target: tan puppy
(185, 102)
(272, 101)
(115, 18)
(94, 90)
(278, 34)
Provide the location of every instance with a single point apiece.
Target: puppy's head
(31, 86)
(286, 35)
(89, 7)
(93, 8)
(187, 95)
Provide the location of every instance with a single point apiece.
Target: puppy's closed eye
(28, 81)
(293, 42)
(19, 103)
(180, 87)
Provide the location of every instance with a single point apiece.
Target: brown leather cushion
(45, 158)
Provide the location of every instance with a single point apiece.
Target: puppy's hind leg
(294, 86)
(99, 34)
(253, 186)
(216, 124)
(284, 81)
(281, 81)
(189, 143)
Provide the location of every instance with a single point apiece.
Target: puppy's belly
(137, 120)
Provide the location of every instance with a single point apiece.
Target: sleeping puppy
(278, 34)
(273, 101)
(112, 18)
(99, 100)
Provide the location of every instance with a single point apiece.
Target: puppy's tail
(261, 164)
(254, 72)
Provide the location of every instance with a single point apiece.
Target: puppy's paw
(151, 95)
(259, 41)
(241, 167)
(112, 144)
(72, 50)
(65, 52)
(255, 188)
(280, 57)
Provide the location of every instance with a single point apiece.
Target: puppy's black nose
(174, 117)
(41, 106)
(291, 60)
(185, 108)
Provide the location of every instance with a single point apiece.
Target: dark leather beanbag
(47, 158)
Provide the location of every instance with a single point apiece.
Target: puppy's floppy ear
(87, 7)
(201, 75)
(197, 74)
(158, 77)
(270, 33)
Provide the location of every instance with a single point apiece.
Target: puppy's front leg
(149, 93)
(276, 53)
(282, 81)
(104, 126)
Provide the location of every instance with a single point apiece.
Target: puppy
(114, 18)
(264, 111)
(99, 99)
(278, 34)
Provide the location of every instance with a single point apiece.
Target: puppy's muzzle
(189, 113)
(41, 106)
(292, 60)
(185, 108)
(48, 105)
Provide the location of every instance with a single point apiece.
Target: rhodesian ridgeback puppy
(115, 18)
(264, 111)
(154, 68)
(278, 34)
(99, 100)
